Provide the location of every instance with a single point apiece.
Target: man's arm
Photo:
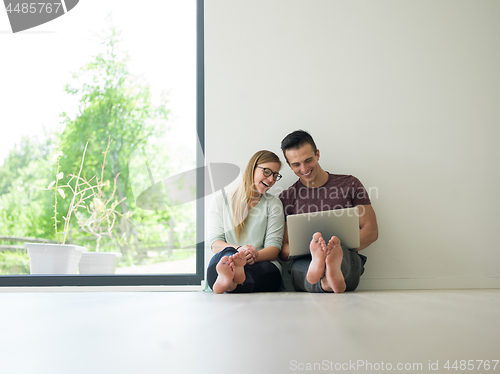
(368, 226)
(285, 247)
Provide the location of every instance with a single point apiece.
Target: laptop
(343, 223)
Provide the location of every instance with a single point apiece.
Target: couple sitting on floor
(248, 232)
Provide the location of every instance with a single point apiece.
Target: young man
(331, 267)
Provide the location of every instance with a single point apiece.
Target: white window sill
(104, 289)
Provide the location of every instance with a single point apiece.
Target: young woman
(246, 231)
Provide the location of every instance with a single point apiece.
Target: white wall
(402, 94)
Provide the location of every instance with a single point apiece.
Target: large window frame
(153, 279)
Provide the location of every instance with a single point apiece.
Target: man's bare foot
(333, 262)
(239, 260)
(225, 275)
(318, 252)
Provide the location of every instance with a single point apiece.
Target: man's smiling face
(304, 163)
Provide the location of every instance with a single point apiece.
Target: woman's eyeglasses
(268, 172)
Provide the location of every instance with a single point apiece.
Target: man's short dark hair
(296, 140)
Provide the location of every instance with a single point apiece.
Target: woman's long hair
(245, 192)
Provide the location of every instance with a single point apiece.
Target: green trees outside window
(113, 104)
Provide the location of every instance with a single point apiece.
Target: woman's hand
(251, 254)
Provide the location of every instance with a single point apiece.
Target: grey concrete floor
(197, 332)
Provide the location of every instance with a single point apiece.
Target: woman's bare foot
(318, 252)
(225, 275)
(239, 260)
(333, 262)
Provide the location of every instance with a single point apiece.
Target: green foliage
(27, 172)
(13, 263)
(23, 154)
(113, 104)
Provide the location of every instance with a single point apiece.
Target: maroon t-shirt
(341, 191)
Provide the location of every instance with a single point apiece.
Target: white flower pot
(54, 258)
(99, 262)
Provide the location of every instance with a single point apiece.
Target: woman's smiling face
(260, 181)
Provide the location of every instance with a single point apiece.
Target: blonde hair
(245, 192)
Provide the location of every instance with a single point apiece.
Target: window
(126, 92)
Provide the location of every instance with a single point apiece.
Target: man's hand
(285, 247)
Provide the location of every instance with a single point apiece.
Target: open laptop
(343, 223)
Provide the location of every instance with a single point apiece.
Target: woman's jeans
(260, 277)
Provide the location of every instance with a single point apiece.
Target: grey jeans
(352, 267)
